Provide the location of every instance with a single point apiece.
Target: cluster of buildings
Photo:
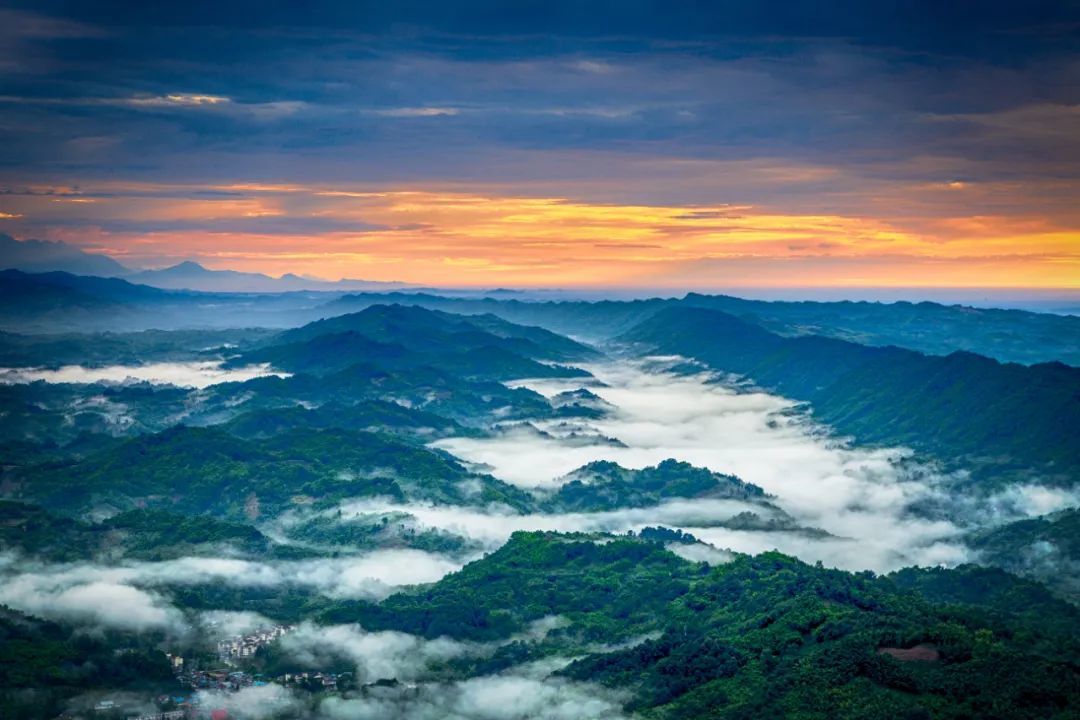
(244, 646)
(223, 680)
(176, 661)
(227, 679)
(329, 681)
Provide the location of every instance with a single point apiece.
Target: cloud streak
(498, 697)
(181, 374)
(134, 596)
(375, 655)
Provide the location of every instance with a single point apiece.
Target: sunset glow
(539, 360)
(432, 237)
(681, 158)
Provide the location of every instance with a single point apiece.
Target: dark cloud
(918, 23)
(411, 92)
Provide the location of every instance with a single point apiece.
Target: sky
(704, 145)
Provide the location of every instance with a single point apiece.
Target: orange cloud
(438, 237)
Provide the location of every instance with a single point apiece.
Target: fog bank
(134, 596)
(863, 497)
(181, 374)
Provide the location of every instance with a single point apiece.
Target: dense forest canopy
(425, 502)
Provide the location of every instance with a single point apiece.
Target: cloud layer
(863, 497)
(866, 500)
(858, 144)
(133, 596)
(182, 374)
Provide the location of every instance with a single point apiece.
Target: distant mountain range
(1001, 419)
(37, 256)
(936, 329)
(42, 256)
(193, 276)
(63, 302)
(60, 301)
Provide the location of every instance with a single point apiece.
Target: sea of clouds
(863, 498)
(866, 500)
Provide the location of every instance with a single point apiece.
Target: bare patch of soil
(923, 652)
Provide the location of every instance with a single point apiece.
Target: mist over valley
(473, 360)
(342, 487)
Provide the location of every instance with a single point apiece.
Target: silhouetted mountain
(61, 302)
(324, 353)
(62, 288)
(593, 321)
(933, 328)
(422, 329)
(1007, 335)
(190, 275)
(399, 337)
(39, 256)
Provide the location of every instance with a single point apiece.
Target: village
(230, 653)
(245, 646)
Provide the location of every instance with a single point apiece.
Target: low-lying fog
(862, 497)
(182, 374)
(129, 595)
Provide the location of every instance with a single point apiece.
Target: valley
(514, 360)
(422, 483)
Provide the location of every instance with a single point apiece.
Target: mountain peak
(186, 266)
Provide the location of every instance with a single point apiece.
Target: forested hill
(962, 406)
(929, 327)
(1006, 335)
(759, 637)
(421, 329)
(397, 336)
(61, 302)
(207, 470)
